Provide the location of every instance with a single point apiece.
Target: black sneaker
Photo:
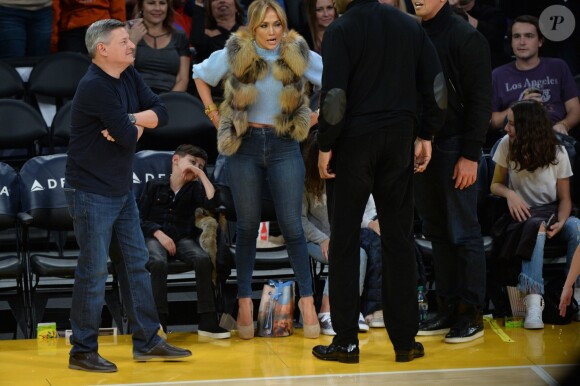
(439, 325)
(209, 327)
(468, 328)
(215, 333)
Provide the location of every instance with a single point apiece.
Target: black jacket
(174, 214)
(376, 60)
(514, 241)
(464, 54)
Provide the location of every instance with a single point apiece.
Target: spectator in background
(552, 76)
(212, 24)
(182, 20)
(25, 28)
(162, 55)
(320, 13)
(488, 20)
(532, 172)
(568, 49)
(213, 21)
(71, 18)
(370, 241)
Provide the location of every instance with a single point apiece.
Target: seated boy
(167, 209)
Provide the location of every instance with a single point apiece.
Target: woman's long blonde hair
(257, 13)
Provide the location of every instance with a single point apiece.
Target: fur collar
(247, 67)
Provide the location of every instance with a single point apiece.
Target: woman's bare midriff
(258, 125)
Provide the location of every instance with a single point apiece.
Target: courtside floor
(503, 357)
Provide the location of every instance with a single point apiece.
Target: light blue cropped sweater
(213, 69)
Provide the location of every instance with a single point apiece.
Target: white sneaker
(325, 324)
(534, 307)
(376, 320)
(362, 325)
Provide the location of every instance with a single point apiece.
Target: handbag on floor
(276, 309)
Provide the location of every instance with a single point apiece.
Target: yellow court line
(497, 329)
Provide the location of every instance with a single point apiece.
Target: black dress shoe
(408, 355)
(162, 350)
(90, 361)
(335, 352)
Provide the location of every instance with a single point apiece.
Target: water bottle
(423, 305)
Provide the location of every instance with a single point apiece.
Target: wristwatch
(132, 119)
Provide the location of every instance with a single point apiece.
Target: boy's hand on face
(191, 173)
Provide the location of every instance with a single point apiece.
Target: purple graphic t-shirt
(552, 77)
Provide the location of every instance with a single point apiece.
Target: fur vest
(246, 67)
(208, 238)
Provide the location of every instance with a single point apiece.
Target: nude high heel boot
(246, 332)
(311, 331)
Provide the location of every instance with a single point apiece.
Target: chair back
(21, 125)
(10, 264)
(60, 127)
(42, 192)
(187, 124)
(58, 75)
(11, 84)
(149, 165)
(186, 116)
(9, 196)
(12, 287)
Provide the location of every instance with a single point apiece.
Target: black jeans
(190, 252)
(380, 163)
(449, 218)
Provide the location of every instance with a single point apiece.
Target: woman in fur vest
(264, 116)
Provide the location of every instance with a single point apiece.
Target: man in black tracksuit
(446, 194)
(377, 62)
